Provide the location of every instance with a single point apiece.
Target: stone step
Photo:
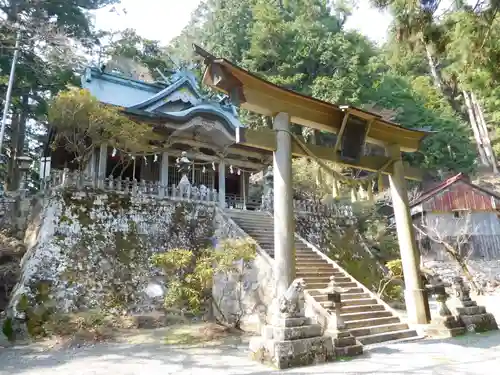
(372, 322)
(325, 276)
(323, 298)
(359, 301)
(246, 213)
(261, 230)
(264, 231)
(302, 261)
(311, 256)
(354, 295)
(350, 317)
(249, 214)
(377, 329)
(387, 336)
(268, 236)
(324, 267)
(232, 211)
(255, 235)
(361, 308)
(252, 218)
(316, 285)
(313, 263)
(306, 252)
(256, 226)
(316, 271)
(299, 251)
(326, 281)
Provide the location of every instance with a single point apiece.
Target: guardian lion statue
(290, 303)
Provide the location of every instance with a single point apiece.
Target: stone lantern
(444, 324)
(24, 164)
(344, 343)
(268, 196)
(473, 317)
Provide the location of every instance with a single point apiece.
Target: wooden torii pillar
(285, 107)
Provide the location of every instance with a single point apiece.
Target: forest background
(437, 70)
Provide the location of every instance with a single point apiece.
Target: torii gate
(257, 95)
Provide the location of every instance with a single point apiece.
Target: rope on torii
(366, 183)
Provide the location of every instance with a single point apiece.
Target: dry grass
(86, 327)
(93, 326)
(202, 334)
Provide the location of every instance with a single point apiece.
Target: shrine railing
(317, 207)
(200, 193)
(67, 178)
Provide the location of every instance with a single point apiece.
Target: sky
(164, 19)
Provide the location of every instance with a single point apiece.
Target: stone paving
(467, 355)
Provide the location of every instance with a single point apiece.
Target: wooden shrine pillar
(414, 293)
(163, 190)
(284, 251)
(244, 178)
(101, 170)
(90, 168)
(222, 184)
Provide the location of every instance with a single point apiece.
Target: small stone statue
(183, 163)
(268, 180)
(290, 303)
(462, 290)
(203, 192)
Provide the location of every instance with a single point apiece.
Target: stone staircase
(367, 317)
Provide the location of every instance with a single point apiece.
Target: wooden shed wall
(461, 196)
(482, 229)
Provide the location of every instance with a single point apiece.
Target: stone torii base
(292, 339)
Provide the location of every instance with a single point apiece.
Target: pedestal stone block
(296, 333)
(292, 340)
(479, 322)
(473, 317)
(346, 345)
(471, 310)
(292, 353)
(445, 326)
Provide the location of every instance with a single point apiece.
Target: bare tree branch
(454, 236)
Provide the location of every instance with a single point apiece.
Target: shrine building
(187, 121)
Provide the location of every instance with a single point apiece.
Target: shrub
(190, 275)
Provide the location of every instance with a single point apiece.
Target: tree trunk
(447, 92)
(11, 164)
(432, 67)
(475, 129)
(21, 139)
(484, 132)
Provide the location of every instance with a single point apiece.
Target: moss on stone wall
(99, 256)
